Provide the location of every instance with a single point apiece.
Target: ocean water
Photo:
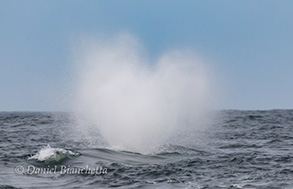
(241, 149)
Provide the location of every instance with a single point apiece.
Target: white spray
(136, 104)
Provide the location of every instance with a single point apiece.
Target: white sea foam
(49, 154)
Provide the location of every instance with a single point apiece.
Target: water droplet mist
(137, 104)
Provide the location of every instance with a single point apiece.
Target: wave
(48, 154)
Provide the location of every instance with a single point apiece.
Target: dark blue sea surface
(241, 149)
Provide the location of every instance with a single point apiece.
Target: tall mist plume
(137, 104)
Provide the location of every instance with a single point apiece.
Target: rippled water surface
(242, 149)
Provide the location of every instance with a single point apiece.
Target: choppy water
(243, 149)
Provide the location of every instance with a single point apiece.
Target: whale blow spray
(136, 104)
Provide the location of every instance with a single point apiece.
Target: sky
(249, 45)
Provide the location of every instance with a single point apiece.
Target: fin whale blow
(135, 103)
